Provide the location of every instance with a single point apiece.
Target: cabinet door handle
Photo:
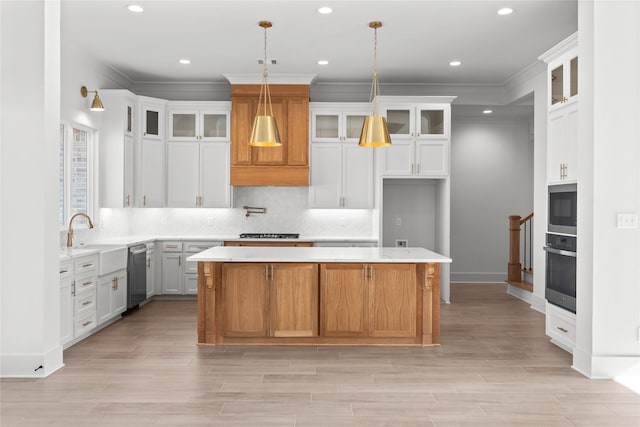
(266, 273)
(144, 200)
(128, 200)
(113, 283)
(179, 260)
(417, 168)
(73, 288)
(148, 262)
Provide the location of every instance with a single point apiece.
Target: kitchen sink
(111, 258)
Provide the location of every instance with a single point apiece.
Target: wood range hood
(287, 165)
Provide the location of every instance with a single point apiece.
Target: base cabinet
(560, 326)
(376, 300)
(78, 298)
(270, 300)
(112, 295)
(318, 303)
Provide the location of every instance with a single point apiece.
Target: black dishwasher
(136, 276)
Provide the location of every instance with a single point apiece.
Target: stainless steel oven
(563, 208)
(560, 281)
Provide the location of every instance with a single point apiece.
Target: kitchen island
(318, 296)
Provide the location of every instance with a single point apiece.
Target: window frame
(92, 172)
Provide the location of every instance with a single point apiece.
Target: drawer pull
(87, 323)
(172, 246)
(87, 283)
(87, 265)
(64, 271)
(86, 303)
(562, 329)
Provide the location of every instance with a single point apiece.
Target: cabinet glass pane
(431, 122)
(326, 126)
(573, 68)
(557, 82)
(184, 125)
(399, 122)
(214, 125)
(354, 126)
(152, 123)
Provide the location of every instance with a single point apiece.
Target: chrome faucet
(70, 231)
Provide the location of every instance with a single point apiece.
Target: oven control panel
(562, 242)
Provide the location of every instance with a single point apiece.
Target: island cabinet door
(344, 300)
(294, 300)
(393, 297)
(245, 299)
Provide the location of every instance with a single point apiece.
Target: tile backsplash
(286, 212)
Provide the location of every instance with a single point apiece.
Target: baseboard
(605, 367)
(479, 277)
(31, 365)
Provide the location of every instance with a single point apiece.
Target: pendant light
(374, 129)
(265, 129)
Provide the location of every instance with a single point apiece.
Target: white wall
(608, 263)
(29, 105)
(491, 178)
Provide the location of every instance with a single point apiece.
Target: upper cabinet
(562, 119)
(151, 163)
(152, 120)
(284, 165)
(199, 122)
(339, 122)
(420, 129)
(116, 150)
(562, 72)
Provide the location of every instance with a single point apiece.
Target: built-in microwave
(563, 209)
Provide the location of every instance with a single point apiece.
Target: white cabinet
(78, 298)
(172, 271)
(560, 326)
(337, 122)
(198, 174)
(341, 176)
(410, 157)
(151, 174)
(562, 124)
(116, 148)
(180, 277)
(562, 144)
(199, 121)
(191, 267)
(112, 295)
(151, 269)
(66, 302)
(420, 129)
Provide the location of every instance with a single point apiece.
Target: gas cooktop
(269, 236)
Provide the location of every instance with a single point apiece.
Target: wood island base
(305, 303)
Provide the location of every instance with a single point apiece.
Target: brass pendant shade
(265, 132)
(374, 129)
(374, 132)
(265, 129)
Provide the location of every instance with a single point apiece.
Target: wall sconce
(96, 104)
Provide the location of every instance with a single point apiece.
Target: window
(76, 172)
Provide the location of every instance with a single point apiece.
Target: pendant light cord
(374, 81)
(265, 85)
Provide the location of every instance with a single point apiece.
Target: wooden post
(514, 271)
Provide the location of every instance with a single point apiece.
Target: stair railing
(520, 247)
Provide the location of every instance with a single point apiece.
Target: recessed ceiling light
(455, 63)
(505, 11)
(135, 8)
(185, 61)
(487, 111)
(325, 10)
(323, 62)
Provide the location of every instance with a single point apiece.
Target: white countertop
(317, 254)
(135, 239)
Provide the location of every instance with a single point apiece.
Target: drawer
(85, 304)
(151, 247)
(66, 270)
(85, 324)
(195, 247)
(561, 325)
(85, 265)
(86, 283)
(191, 267)
(171, 246)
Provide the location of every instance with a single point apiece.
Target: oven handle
(559, 251)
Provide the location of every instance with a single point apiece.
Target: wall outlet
(341, 221)
(163, 220)
(402, 243)
(398, 221)
(210, 221)
(627, 220)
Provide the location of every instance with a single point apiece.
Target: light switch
(627, 220)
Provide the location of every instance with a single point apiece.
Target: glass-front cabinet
(333, 122)
(199, 124)
(423, 121)
(562, 72)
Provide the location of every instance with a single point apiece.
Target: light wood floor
(495, 368)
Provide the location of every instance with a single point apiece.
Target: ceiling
(415, 45)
